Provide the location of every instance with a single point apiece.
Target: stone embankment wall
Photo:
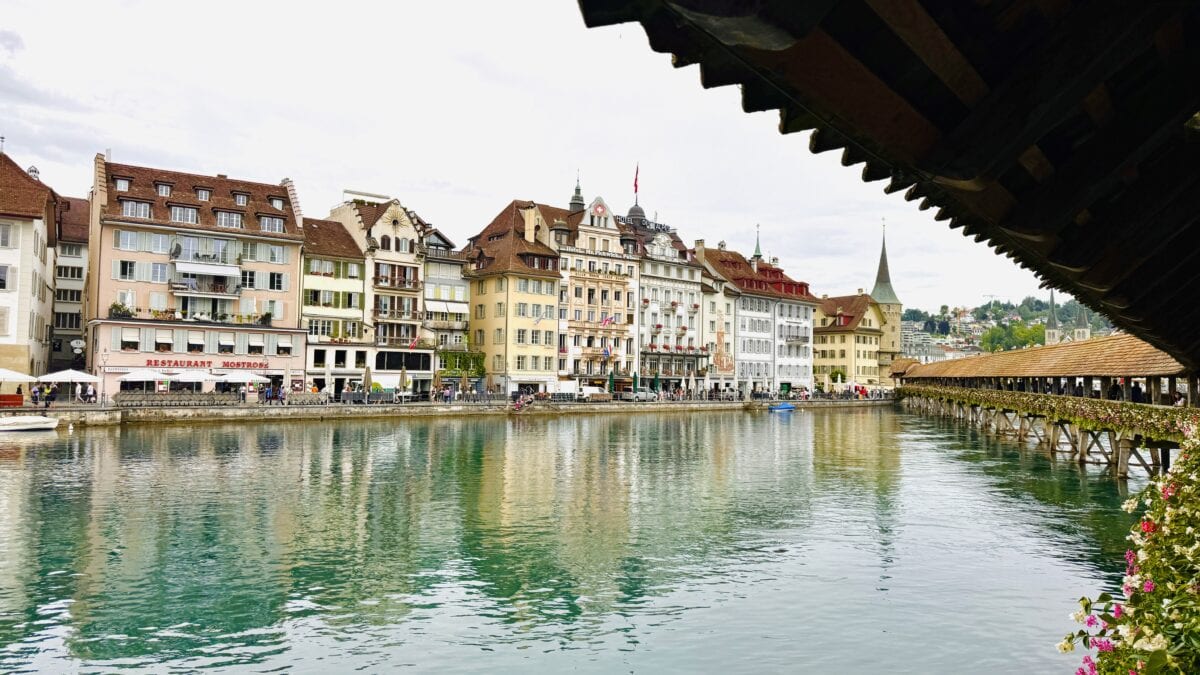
(190, 415)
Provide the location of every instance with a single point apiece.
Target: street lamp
(104, 377)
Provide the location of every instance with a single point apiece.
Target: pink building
(191, 272)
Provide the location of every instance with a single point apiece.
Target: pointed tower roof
(757, 247)
(1081, 320)
(883, 292)
(1052, 320)
(577, 203)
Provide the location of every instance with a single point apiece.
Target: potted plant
(645, 301)
(695, 306)
(222, 316)
(658, 326)
(118, 310)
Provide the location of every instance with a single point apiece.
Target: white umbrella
(144, 375)
(7, 375)
(243, 378)
(194, 376)
(69, 376)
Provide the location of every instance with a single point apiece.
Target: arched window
(385, 243)
(402, 244)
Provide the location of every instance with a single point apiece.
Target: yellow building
(514, 281)
(848, 337)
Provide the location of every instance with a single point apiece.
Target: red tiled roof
(329, 238)
(501, 245)
(768, 280)
(854, 307)
(22, 195)
(143, 188)
(74, 219)
(370, 212)
(1119, 355)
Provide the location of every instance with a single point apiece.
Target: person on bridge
(1135, 394)
(1114, 392)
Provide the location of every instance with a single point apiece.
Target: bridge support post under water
(1124, 448)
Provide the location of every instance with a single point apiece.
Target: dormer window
(229, 219)
(277, 203)
(122, 185)
(271, 224)
(240, 198)
(164, 190)
(132, 209)
(203, 195)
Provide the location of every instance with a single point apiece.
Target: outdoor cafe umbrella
(7, 375)
(194, 377)
(68, 376)
(465, 384)
(367, 379)
(635, 381)
(655, 385)
(612, 382)
(436, 384)
(243, 378)
(403, 377)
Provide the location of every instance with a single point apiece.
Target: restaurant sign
(191, 363)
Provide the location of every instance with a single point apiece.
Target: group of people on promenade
(46, 395)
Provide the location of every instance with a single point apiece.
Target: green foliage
(838, 375)
(1014, 335)
(914, 314)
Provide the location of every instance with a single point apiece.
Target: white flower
(1141, 555)
(1129, 505)
(1079, 617)
(1066, 645)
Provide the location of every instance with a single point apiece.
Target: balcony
(444, 325)
(796, 339)
(397, 283)
(385, 314)
(401, 341)
(208, 288)
(218, 258)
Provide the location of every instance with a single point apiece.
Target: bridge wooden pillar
(1124, 448)
(1193, 397)
(1154, 390)
(1105, 383)
(1172, 387)
(1127, 389)
(1088, 383)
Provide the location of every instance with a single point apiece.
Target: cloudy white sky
(456, 108)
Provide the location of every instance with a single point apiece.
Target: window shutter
(115, 332)
(143, 241)
(247, 306)
(116, 267)
(179, 344)
(210, 341)
(142, 270)
(147, 340)
(285, 281)
(240, 341)
(279, 311)
(272, 345)
(286, 254)
(261, 280)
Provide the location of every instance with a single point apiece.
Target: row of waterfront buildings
(175, 271)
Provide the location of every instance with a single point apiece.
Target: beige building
(849, 336)
(513, 269)
(389, 236)
(70, 280)
(598, 311)
(192, 272)
(29, 214)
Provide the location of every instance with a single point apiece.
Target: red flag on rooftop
(636, 168)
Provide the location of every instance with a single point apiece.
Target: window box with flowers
(658, 326)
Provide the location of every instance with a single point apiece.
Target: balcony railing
(444, 325)
(398, 283)
(401, 341)
(796, 339)
(203, 287)
(222, 258)
(394, 314)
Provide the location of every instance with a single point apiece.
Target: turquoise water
(853, 541)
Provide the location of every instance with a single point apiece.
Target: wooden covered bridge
(1113, 400)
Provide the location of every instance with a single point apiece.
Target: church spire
(757, 247)
(577, 203)
(1052, 319)
(883, 292)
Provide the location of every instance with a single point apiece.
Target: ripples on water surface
(857, 541)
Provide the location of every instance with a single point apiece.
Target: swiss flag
(413, 344)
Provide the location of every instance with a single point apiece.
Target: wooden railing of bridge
(1092, 431)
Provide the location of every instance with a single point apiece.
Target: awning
(211, 269)
(225, 339)
(164, 335)
(435, 306)
(285, 341)
(387, 381)
(195, 337)
(130, 335)
(458, 308)
(256, 340)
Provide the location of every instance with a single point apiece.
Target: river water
(854, 541)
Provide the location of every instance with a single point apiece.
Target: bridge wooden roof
(1112, 356)
(1061, 133)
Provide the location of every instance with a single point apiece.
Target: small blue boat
(782, 406)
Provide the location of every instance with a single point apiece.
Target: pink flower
(1148, 587)
(1091, 621)
(1148, 526)
(1102, 645)
(1168, 490)
(1117, 611)
(1127, 590)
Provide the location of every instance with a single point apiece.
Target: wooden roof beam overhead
(1045, 88)
(1103, 162)
(913, 25)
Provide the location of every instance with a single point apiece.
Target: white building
(29, 212)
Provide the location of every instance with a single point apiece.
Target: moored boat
(782, 406)
(28, 423)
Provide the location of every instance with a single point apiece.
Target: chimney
(222, 176)
(824, 296)
(530, 226)
(721, 245)
(860, 291)
(775, 261)
(35, 174)
(108, 154)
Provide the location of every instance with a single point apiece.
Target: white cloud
(457, 108)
